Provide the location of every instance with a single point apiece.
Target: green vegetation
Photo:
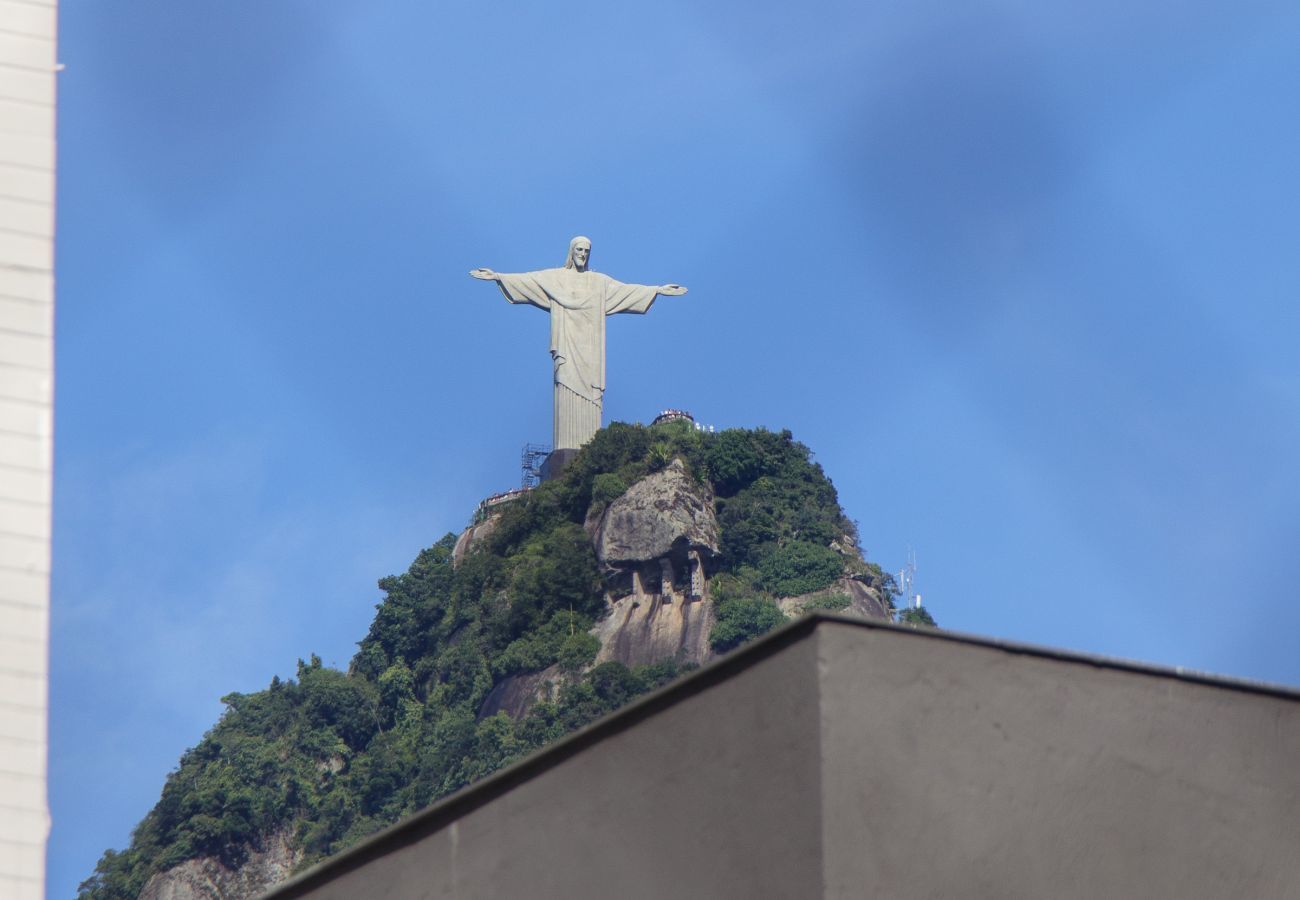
(330, 757)
(743, 619)
(833, 602)
(607, 488)
(917, 616)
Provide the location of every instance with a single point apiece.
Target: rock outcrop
(654, 543)
(664, 514)
(473, 535)
(650, 628)
(864, 600)
(517, 694)
(208, 878)
(659, 537)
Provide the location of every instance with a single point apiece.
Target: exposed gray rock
(516, 695)
(473, 535)
(844, 546)
(665, 513)
(208, 878)
(638, 630)
(865, 601)
(650, 628)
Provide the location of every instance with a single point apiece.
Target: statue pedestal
(556, 462)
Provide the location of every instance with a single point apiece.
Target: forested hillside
(319, 761)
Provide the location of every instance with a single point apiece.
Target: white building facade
(27, 156)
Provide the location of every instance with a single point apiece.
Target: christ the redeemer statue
(578, 300)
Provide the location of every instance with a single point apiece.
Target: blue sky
(1023, 275)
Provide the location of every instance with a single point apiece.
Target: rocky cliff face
(472, 535)
(665, 514)
(517, 694)
(864, 600)
(208, 878)
(654, 544)
(654, 627)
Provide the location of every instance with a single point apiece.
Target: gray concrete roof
(811, 761)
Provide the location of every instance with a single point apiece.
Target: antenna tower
(907, 582)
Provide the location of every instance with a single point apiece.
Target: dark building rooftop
(844, 758)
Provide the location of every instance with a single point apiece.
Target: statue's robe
(578, 303)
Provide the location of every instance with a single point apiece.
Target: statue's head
(579, 253)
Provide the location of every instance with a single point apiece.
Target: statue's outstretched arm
(523, 287)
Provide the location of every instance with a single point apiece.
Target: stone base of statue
(556, 462)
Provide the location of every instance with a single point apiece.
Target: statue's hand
(484, 274)
(672, 290)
